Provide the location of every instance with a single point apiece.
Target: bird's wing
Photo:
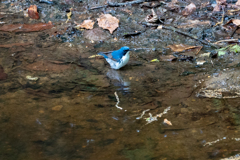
(116, 55)
(109, 55)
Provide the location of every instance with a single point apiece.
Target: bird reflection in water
(118, 79)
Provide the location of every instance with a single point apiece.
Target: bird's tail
(102, 54)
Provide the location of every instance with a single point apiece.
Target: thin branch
(115, 4)
(112, 4)
(227, 40)
(183, 33)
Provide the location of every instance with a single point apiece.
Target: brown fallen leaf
(107, 21)
(88, 24)
(32, 12)
(167, 122)
(236, 22)
(181, 47)
(189, 9)
(233, 21)
(26, 27)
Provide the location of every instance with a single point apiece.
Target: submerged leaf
(154, 60)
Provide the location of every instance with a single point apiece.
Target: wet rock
(32, 12)
(98, 80)
(26, 27)
(2, 74)
(46, 66)
(57, 108)
(98, 63)
(96, 34)
(225, 85)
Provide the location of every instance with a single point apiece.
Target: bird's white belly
(118, 65)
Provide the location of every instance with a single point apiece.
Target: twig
(143, 114)
(112, 4)
(183, 33)
(115, 93)
(227, 40)
(115, 4)
(221, 20)
(98, 7)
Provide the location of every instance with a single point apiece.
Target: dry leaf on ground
(107, 21)
(152, 17)
(234, 21)
(189, 9)
(181, 47)
(88, 24)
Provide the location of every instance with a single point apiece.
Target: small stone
(57, 108)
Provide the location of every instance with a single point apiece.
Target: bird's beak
(130, 49)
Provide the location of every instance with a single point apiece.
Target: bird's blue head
(125, 48)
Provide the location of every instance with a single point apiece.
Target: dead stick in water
(183, 33)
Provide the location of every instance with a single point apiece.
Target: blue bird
(118, 58)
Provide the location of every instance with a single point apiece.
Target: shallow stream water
(58, 104)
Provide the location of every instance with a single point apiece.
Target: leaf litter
(107, 21)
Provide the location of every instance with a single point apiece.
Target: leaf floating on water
(107, 21)
(32, 78)
(88, 24)
(154, 60)
(181, 47)
(93, 56)
(167, 122)
(201, 62)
